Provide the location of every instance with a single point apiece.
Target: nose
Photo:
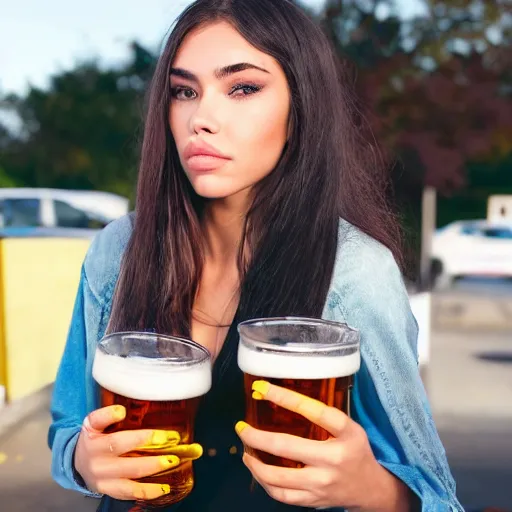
(205, 119)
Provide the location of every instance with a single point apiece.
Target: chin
(210, 187)
(211, 194)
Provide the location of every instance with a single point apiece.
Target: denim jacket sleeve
(74, 392)
(389, 399)
(69, 400)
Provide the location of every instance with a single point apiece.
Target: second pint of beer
(159, 380)
(316, 358)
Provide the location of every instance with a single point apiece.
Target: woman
(251, 156)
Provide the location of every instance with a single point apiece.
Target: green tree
(5, 180)
(83, 131)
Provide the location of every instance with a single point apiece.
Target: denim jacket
(367, 292)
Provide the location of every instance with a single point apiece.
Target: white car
(472, 248)
(54, 208)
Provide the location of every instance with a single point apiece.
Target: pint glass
(316, 358)
(159, 380)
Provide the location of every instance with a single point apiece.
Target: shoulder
(369, 286)
(362, 259)
(103, 259)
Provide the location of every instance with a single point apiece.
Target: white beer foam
(142, 379)
(292, 366)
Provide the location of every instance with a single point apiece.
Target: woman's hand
(99, 461)
(339, 472)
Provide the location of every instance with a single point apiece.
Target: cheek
(178, 123)
(263, 133)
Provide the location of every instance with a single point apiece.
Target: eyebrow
(219, 73)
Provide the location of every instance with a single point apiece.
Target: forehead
(216, 45)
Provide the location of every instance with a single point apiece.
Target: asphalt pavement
(470, 389)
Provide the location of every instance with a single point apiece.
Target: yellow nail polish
(197, 450)
(241, 425)
(161, 439)
(158, 437)
(169, 461)
(261, 387)
(119, 412)
(166, 489)
(257, 395)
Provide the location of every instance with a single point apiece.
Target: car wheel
(445, 282)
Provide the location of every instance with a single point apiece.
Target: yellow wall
(38, 283)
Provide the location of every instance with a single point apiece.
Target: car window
(20, 212)
(470, 230)
(503, 233)
(68, 216)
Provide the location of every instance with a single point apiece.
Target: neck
(223, 223)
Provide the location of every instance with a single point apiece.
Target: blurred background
(437, 75)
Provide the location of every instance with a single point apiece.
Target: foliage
(439, 84)
(83, 131)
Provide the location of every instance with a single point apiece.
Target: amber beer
(159, 380)
(313, 357)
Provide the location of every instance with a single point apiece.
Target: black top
(222, 482)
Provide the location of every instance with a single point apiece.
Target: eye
(241, 90)
(183, 93)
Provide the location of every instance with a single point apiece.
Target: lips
(201, 148)
(202, 157)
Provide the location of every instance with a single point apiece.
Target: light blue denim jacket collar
(367, 292)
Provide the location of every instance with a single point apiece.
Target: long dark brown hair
(329, 169)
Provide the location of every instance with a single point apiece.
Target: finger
(288, 478)
(187, 451)
(159, 443)
(125, 441)
(294, 497)
(135, 467)
(329, 418)
(128, 490)
(284, 445)
(97, 421)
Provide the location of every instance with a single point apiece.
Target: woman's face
(229, 111)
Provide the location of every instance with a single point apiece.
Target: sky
(39, 38)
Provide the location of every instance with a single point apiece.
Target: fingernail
(158, 437)
(241, 425)
(166, 489)
(119, 412)
(197, 449)
(169, 461)
(261, 387)
(257, 395)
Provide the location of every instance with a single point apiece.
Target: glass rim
(205, 353)
(299, 347)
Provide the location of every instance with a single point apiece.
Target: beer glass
(316, 358)
(159, 380)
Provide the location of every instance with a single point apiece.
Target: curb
(467, 312)
(17, 411)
